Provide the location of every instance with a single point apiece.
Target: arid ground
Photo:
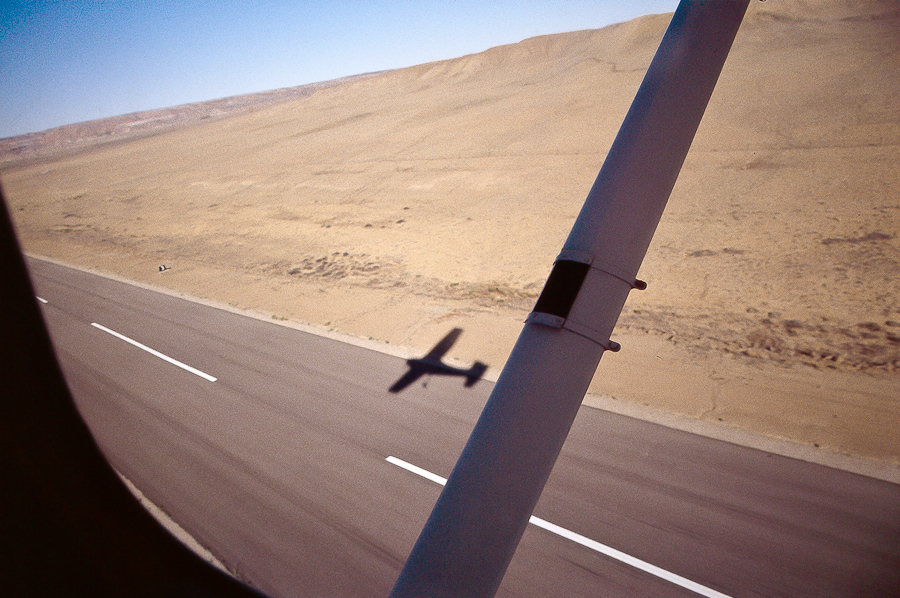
(398, 205)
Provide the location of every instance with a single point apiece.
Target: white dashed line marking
(175, 362)
(584, 541)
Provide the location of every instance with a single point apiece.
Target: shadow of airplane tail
(475, 373)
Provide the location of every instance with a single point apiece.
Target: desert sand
(397, 206)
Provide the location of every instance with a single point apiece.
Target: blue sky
(70, 61)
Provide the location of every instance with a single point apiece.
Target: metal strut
(472, 533)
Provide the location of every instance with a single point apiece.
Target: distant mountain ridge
(147, 122)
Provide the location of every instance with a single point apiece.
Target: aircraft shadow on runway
(431, 364)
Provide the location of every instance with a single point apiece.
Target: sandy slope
(400, 205)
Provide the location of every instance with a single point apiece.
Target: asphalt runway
(280, 466)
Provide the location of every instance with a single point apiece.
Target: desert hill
(397, 205)
(69, 138)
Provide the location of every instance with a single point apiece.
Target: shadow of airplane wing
(443, 345)
(406, 379)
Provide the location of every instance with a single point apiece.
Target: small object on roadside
(163, 268)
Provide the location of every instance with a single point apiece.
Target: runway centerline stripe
(584, 541)
(154, 352)
(417, 470)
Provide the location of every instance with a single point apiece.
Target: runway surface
(270, 446)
